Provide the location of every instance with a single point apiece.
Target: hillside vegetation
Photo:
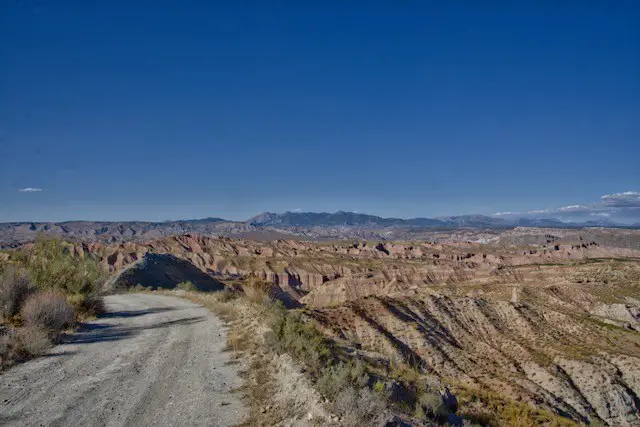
(44, 291)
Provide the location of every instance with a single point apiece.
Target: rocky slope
(554, 323)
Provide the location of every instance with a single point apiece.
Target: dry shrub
(34, 340)
(20, 344)
(15, 288)
(9, 348)
(48, 310)
(361, 407)
(431, 404)
(257, 290)
(238, 340)
(86, 306)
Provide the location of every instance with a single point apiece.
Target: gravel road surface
(150, 360)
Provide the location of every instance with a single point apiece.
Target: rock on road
(150, 360)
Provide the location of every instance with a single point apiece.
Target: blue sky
(127, 110)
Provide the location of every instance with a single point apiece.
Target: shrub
(379, 387)
(48, 310)
(187, 286)
(340, 376)
(334, 379)
(432, 405)
(87, 305)
(300, 339)
(257, 290)
(51, 266)
(21, 343)
(360, 407)
(15, 288)
(33, 340)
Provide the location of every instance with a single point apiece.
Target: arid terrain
(547, 318)
(150, 360)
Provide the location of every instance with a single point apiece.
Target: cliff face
(555, 324)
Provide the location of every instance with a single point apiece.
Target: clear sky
(184, 109)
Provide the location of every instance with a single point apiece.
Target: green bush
(379, 387)
(187, 286)
(51, 266)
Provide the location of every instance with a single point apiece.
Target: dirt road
(150, 360)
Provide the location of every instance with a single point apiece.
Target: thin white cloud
(576, 208)
(30, 190)
(538, 211)
(628, 199)
(616, 205)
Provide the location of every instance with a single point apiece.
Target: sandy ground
(151, 360)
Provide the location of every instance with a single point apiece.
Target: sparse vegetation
(490, 409)
(187, 286)
(394, 330)
(42, 292)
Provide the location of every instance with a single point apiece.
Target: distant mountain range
(267, 225)
(352, 219)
